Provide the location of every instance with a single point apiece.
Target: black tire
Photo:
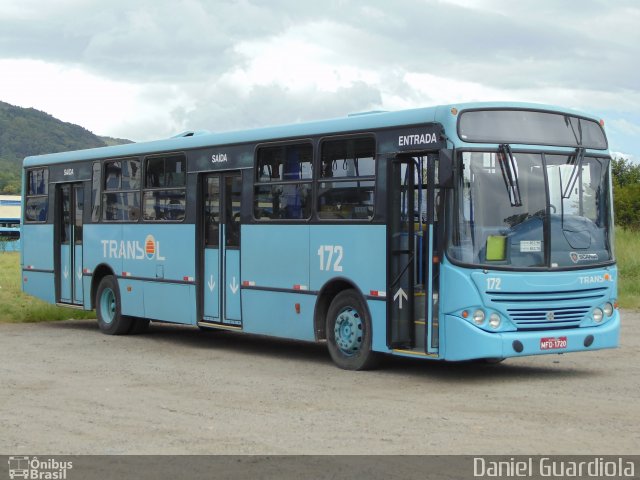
(349, 332)
(139, 325)
(108, 308)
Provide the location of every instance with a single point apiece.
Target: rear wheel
(349, 332)
(108, 308)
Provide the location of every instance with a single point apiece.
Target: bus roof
(353, 122)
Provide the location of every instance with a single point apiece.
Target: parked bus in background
(457, 232)
(10, 223)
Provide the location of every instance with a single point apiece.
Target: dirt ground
(65, 388)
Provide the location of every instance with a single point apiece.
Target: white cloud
(151, 68)
(68, 93)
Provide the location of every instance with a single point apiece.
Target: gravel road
(65, 388)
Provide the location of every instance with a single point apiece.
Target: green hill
(27, 131)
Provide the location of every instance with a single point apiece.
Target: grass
(16, 307)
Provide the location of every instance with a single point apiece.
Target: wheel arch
(99, 273)
(326, 295)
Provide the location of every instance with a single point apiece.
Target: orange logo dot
(150, 246)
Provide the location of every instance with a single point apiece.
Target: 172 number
(330, 257)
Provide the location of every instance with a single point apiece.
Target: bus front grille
(543, 318)
(548, 310)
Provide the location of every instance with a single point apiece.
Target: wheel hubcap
(108, 305)
(348, 331)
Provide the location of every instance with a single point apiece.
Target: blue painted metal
(78, 297)
(170, 302)
(378, 312)
(66, 274)
(286, 257)
(274, 314)
(212, 284)
(232, 283)
(462, 341)
(131, 296)
(524, 302)
(39, 284)
(275, 256)
(37, 247)
(362, 259)
(156, 261)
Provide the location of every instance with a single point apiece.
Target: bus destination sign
(426, 137)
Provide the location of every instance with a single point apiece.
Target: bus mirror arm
(445, 168)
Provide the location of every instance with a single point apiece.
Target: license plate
(553, 343)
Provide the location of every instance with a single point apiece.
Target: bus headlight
(478, 317)
(494, 320)
(597, 315)
(608, 309)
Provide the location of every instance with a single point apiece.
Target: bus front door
(411, 320)
(220, 282)
(69, 271)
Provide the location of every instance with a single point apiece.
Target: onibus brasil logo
(132, 249)
(33, 468)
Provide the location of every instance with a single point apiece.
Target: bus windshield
(562, 218)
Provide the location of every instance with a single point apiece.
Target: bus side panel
(37, 246)
(378, 310)
(37, 254)
(275, 314)
(169, 302)
(159, 251)
(132, 297)
(101, 245)
(354, 252)
(276, 258)
(153, 256)
(39, 284)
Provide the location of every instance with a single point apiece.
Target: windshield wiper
(569, 122)
(575, 172)
(510, 174)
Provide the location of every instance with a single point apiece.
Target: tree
(625, 172)
(626, 193)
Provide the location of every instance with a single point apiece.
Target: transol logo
(132, 249)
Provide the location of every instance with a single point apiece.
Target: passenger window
(121, 195)
(346, 188)
(164, 197)
(283, 182)
(37, 200)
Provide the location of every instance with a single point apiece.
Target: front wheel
(349, 332)
(108, 308)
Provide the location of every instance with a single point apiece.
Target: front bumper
(463, 341)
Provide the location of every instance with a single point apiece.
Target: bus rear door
(220, 282)
(69, 271)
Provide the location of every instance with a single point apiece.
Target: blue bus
(458, 232)
(9, 223)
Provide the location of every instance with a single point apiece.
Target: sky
(149, 69)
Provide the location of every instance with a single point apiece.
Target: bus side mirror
(445, 168)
